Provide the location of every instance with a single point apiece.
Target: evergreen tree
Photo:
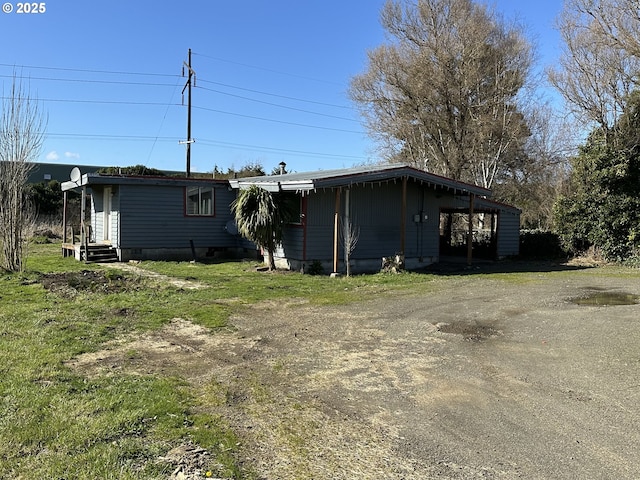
(602, 208)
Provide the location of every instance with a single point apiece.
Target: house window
(296, 209)
(200, 201)
(293, 205)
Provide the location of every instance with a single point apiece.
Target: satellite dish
(75, 175)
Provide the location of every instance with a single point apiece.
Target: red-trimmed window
(200, 201)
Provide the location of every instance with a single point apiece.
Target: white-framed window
(199, 201)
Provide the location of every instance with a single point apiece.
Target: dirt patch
(187, 284)
(479, 379)
(180, 348)
(95, 281)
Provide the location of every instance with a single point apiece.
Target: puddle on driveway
(600, 298)
(470, 332)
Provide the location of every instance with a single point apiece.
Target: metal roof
(89, 179)
(309, 181)
(300, 182)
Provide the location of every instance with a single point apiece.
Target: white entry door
(107, 215)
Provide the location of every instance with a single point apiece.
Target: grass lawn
(55, 423)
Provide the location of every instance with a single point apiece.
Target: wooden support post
(64, 217)
(336, 228)
(470, 233)
(84, 241)
(403, 213)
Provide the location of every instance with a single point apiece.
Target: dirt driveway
(481, 377)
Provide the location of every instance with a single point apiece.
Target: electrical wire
(84, 80)
(295, 124)
(253, 117)
(153, 146)
(102, 102)
(295, 75)
(205, 142)
(278, 105)
(287, 97)
(158, 138)
(277, 150)
(83, 70)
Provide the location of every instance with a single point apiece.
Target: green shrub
(315, 268)
(539, 245)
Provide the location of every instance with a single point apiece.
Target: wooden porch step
(101, 253)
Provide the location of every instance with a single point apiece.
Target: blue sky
(271, 78)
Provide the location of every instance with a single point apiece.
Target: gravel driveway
(481, 377)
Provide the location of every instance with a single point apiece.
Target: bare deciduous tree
(350, 235)
(21, 139)
(443, 94)
(601, 59)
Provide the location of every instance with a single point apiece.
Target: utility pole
(187, 86)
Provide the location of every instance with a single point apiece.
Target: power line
(161, 104)
(83, 70)
(153, 146)
(103, 102)
(276, 95)
(114, 82)
(118, 82)
(288, 74)
(100, 136)
(279, 105)
(276, 150)
(204, 142)
(277, 121)
(157, 138)
(153, 74)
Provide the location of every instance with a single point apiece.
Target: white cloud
(52, 156)
(73, 155)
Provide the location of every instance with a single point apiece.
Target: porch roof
(89, 179)
(309, 181)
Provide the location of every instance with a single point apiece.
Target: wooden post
(84, 242)
(470, 233)
(336, 227)
(64, 218)
(403, 213)
(347, 225)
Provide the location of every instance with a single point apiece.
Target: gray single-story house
(395, 209)
(153, 218)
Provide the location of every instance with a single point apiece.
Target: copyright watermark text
(29, 8)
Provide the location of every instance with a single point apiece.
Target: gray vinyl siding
(154, 217)
(508, 234)
(293, 243)
(422, 223)
(375, 211)
(319, 225)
